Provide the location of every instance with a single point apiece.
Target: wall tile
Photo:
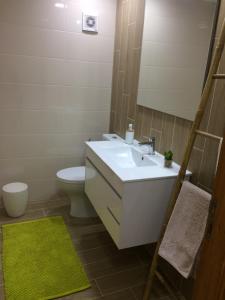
(139, 23)
(85, 121)
(208, 167)
(158, 136)
(157, 120)
(130, 76)
(123, 124)
(79, 73)
(83, 98)
(124, 33)
(10, 122)
(216, 124)
(41, 122)
(112, 121)
(22, 40)
(115, 80)
(221, 17)
(167, 132)
(94, 48)
(133, 92)
(10, 96)
(44, 145)
(20, 69)
(55, 88)
(30, 169)
(147, 122)
(180, 138)
(139, 121)
(33, 13)
(119, 101)
(132, 8)
(118, 35)
(195, 164)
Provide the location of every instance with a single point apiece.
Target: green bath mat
(39, 261)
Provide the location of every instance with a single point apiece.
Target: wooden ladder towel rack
(212, 75)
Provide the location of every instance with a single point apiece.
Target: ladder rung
(209, 135)
(219, 76)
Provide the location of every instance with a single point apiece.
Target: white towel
(186, 228)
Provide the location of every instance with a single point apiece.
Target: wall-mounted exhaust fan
(90, 23)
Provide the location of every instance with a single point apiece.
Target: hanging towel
(186, 228)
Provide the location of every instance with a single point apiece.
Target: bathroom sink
(129, 188)
(130, 162)
(128, 157)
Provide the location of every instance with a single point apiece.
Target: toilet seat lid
(75, 174)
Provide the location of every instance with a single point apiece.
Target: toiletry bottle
(129, 135)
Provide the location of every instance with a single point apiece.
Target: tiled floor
(114, 274)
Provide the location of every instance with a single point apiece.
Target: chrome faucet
(151, 143)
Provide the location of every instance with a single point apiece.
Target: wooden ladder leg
(196, 124)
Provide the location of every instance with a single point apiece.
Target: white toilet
(71, 181)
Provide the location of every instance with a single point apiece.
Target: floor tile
(143, 254)
(158, 291)
(82, 221)
(29, 215)
(122, 280)
(2, 295)
(122, 295)
(111, 265)
(79, 231)
(93, 240)
(97, 254)
(89, 294)
(57, 211)
(59, 202)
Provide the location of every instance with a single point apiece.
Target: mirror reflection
(175, 50)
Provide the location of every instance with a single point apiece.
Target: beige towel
(186, 229)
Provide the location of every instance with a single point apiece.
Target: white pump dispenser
(129, 135)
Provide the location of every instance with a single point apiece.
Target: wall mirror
(177, 40)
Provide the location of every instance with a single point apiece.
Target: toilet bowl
(71, 181)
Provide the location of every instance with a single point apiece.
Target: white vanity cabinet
(132, 211)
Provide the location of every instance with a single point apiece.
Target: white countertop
(104, 150)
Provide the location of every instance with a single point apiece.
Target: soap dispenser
(129, 135)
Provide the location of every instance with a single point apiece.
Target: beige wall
(55, 88)
(171, 132)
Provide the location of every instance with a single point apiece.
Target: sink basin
(128, 157)
(130, 162)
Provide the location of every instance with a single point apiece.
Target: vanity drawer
(105, 171)
(112, 225)
(105, 200)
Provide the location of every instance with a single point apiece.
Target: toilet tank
(111, 137)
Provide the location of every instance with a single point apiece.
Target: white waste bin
(15, 198)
